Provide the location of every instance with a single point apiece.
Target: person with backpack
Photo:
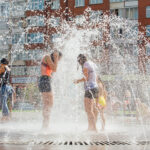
(6, 88)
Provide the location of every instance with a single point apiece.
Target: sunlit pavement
(30, 147)
(122, 133)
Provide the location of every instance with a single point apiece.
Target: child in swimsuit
(101, 104)
(102, 101)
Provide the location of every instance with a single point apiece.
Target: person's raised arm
(50, 63)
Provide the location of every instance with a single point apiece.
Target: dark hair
(60, 54)
(52, 55)
(81, 59)
(4, 61)
(99, 79)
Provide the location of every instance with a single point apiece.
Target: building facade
(144, 27)
(31, 29)
(40, 20)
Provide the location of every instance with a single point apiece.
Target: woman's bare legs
(103, 118)
(95, 110)
(47, 106)
(90, 113)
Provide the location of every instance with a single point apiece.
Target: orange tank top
(45, 69)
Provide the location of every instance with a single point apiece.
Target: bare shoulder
(7, 68)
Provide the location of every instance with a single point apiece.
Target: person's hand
(56, 55)
(75, 81)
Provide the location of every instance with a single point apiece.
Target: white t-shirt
(91, 82)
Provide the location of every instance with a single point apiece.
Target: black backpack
(5, 77)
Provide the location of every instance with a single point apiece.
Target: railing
(122, 0)
(130, 0)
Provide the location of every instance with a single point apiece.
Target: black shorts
(45, 84)
(93, 93)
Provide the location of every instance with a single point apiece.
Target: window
(3, 54)
(18, 9)
(96, 16)
(23, 70)
(116, 0)
(55, 4)
(148, 68)
(117, 12)
(34, 54)
(135, 30)
(54, 21)
(120, 12)
(3, 43)
(135, 51)
(116, 32)
(131, 68)
(35, 21)
(148, 12)
(96, 1)
(132, 13)
(18, 38)
(36, 4)
(55, 37)
(21, 24)
(4, 9)
(148, 30)
(35, 70)
(79, 3)
(35, 38)
(4, 25)
(130, 0)
(80, 19)
(28, 55)
(96, 51)
(148, 50)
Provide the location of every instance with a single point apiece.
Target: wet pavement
(120, 133)
(84, 141)
(31, 147)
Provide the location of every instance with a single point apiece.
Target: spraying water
(111, 42)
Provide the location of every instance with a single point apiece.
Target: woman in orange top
(48, 66)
